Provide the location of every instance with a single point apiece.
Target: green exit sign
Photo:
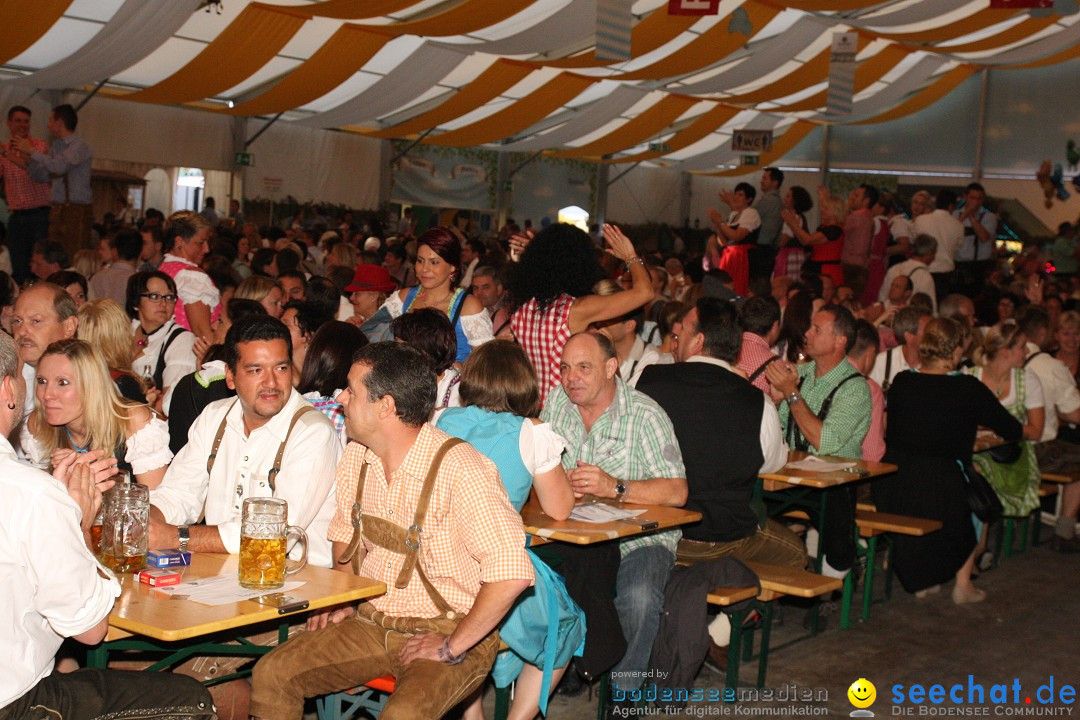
(242, 159)
(753, 160)
(659, 147)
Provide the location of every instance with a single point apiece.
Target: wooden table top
(579, 532)
(142, 610)
(786, 478)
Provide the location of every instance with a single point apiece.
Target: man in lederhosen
(427, 515)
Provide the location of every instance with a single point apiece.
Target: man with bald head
(43, 315)
(620, 445)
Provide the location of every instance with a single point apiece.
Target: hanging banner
(842, 74)
(693, 7)
(614, 21)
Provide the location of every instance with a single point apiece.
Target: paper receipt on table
(813, 463)
(602, 513)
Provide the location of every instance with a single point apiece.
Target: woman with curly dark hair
(552, 290)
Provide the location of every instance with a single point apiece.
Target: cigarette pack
(158, 577)
(168, 558)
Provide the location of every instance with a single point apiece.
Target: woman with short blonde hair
(263, 290)
(106, 326)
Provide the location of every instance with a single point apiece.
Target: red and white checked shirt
(543, 335)
(22, 192)
(755, 351)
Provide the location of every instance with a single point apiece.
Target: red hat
(371, 277)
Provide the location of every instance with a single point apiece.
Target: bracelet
(446, 655)
(635, 259)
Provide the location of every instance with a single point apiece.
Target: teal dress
(545, 627)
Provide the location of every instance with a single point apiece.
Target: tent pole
(92, 94)
(980, 137)
(502, 192)
(264, 128)
(410, 146)
(601, 193)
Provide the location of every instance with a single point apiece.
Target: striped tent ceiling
(523, 75)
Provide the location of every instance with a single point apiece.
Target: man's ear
(611, 366)
(230, 378)
(70, 326)
(387, 407)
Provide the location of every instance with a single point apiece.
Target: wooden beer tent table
(147, 620)
(543, 528)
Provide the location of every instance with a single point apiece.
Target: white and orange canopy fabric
(523, 75)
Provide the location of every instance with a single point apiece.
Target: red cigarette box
(158, 577)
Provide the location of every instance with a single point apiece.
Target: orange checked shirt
(471, 534)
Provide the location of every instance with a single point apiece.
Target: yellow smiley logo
(862, 693)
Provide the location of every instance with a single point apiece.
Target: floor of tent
(1025, 629)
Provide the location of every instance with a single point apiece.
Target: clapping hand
(618, 244)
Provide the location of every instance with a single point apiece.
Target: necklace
(146, 335)
(74, 445)
(437, 303)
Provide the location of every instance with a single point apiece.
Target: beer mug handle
(303, 542)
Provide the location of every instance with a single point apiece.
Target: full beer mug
(264, 532)
(124, 527)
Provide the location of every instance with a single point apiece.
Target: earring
(11, 406)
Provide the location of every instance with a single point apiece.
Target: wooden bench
(776, 582)
(872, 524)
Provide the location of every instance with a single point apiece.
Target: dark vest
(717, 420)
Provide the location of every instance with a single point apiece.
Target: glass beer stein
(124, 527)
(264, 532)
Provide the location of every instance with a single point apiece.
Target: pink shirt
(873, 445)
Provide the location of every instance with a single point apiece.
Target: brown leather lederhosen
(403, 541)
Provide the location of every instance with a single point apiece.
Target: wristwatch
(793, 399)
(620, 490)
(184, 533)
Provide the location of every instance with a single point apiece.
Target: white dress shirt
(641, 356)
(949, 234)
(53, 586)
(899, 364)
(306, 480)
(1058, 385)
(774, 449)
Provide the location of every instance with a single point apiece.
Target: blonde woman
(1000, 367)
(106, 326)
(263, 290)
(78, 409)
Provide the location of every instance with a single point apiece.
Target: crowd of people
(405, 390)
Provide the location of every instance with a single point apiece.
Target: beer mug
(264, 531)
(125, 527)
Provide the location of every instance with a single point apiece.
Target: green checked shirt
(848, 418)
(632, 440)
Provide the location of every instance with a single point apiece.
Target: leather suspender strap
(217, 440)
(761, 368)
(271, 476)
(412, 538)
(349, 555)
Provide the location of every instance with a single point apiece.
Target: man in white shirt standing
(974, 257)
(54, 588)
(949, 234)
(261, 443)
